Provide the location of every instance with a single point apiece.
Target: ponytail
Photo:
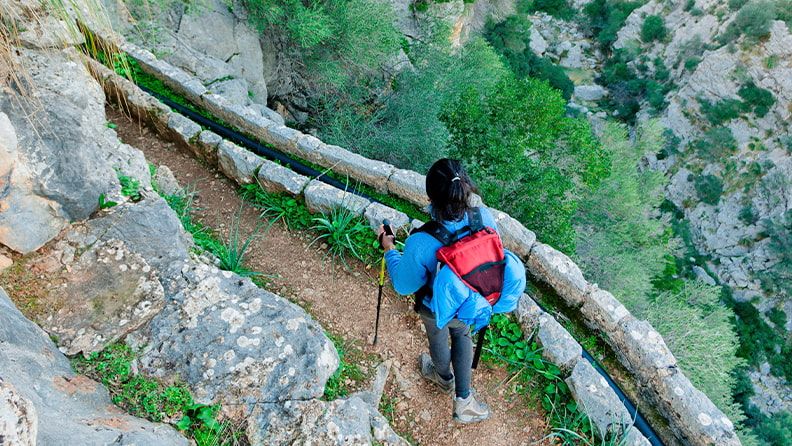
(448, 187)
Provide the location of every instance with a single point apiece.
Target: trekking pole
(388, 232)
(479, 346)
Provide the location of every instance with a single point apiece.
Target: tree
(653, 28)
(527, 156)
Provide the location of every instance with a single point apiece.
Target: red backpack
(477, 258)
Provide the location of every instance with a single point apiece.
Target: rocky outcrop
(43, 402)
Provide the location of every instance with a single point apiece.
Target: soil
(344, 302)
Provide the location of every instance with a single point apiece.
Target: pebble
(5, 262)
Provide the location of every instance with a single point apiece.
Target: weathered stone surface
(537, 44)
(635, 438)
(371, 172)
(307, 147)
(166, 181)
(408, 185)
(642, 349)
(18, 418)
(602, 311)
(694, 419)
(70, 409)
(282, 137)
(322, 197)
(559, 271)
(598, 400)
(175, 78)
(341, 422)
(590, 92)
(528, 314)
(205, 147)
(237, 163)
(183, 129)
(377, 212)
(270, 114)
(516, 237)
(113, 292)
(273, 177)
(558, 346)
(5, 262)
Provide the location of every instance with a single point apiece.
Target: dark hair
(448, 187)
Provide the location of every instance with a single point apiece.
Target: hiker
(446, 304)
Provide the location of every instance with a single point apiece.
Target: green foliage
(753, 20)
(777, 279)
(708, 188)
(232, 252)
(104, 203)
(721, 112)
(735, 5)
(130, 187)
(526, 155)
(717, 144)
(154, 400)
(511, 39)
(346, 234)
(698, 330)
(756, 98)
(692, 62)
(621, 245)
(653, 28)
(747, 215)
(338, 385)
(278, 207)
(628, 89)
(604, 18)
(556, 8)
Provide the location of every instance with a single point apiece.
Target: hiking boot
(429, 372)
(470, 410)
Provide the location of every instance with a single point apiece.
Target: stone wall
(691, 415)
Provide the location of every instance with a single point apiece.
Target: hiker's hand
(388, 241)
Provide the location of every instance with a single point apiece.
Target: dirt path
(344, 303)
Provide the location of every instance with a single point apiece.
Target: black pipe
(255, 146)
(639, 422)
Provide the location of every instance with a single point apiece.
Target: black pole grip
(388, 231)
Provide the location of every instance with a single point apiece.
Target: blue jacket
(451, 298)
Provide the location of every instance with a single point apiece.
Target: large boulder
(52, 405)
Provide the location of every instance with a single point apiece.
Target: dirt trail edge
(344, 302)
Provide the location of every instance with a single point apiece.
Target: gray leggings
(460, 353)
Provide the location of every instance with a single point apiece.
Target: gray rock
(560, 272)
(273, 177)
(18, 418)
(373, 395)
(206, 146)
(701, 274)
(696, 420)
(641, 348)
(237, 163)
(371, 172)
(269, 113)
(558, 346)
(70, 409)
(598, 400)
(282, 137)
(184, 130)
(324, 198)
(602, 311)
(409, 185)
(166, 181)
(114, 291)
(538, 44)
(516, 237)
(307, 147)
(377, 212)
(528, 314)
(590, 92)
(635, 438)
(235, 90)
(5, 262)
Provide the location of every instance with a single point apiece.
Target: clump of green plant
(232, 252)
(338, 385)
(722, 111)
(130, 187)
(756, 98)
(753, 21)
(653, 28)
(708, 188)
(556, 8)
(628, 89)
(154, 400)
(346, 234)
(716, 144)
(604, 18)
(104, 203)
(278, 207)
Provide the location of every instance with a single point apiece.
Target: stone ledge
(559, 271)
(377, 212)
(602, 311)
(237, 163)
(603, 407)
(371, 172)
(324, 198)
(273, 177)
(516, 237)
(409, 185)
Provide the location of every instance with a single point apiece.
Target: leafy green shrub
(278, 207)
(348, 371)
(722, 111)
(689, 4)
(778, 278)
(653, 28)
(556, 8)
(512, 139)
(747, 215)
(756, 98)
(717, 144)
(692, 62)
(130, 187)
(151, 399)
(604, 18)
(709, 188)
(346, 235)
(735, 5)
(753, 20)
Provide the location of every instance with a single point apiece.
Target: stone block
(602, 311)
(166, 182)
(324, 198)
(307, 147)
(237, 163)
(516, 237)
(642, 350)
(559, 271)
(371, 172)
(206, 146)
(558, 346)
(635, 438)
(377, 212)
(528, 314)
(692, 416)
(273, 177)
(183, 129)
(409, 185)
(598, 400)
(281, 137)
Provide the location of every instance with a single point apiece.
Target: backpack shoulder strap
(438, 231)
(475, 221)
